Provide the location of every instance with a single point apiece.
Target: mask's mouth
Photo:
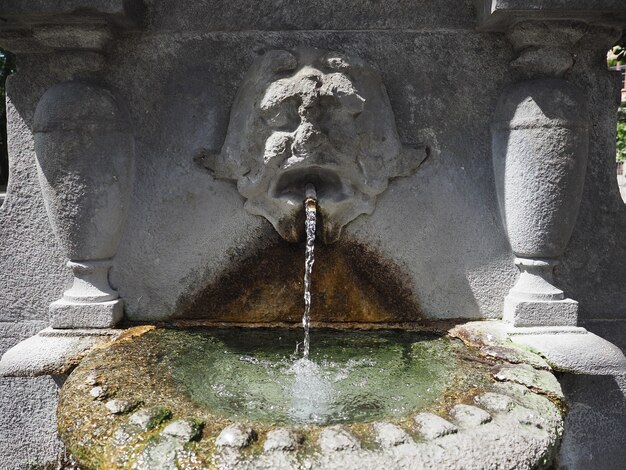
(328, 185)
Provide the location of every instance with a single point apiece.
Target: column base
(68, 314)
(528, 313)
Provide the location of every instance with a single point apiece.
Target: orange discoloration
(351, 283)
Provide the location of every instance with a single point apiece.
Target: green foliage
(7, 66)
(617, 56)
(621, 141)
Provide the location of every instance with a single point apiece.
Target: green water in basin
(351, 376)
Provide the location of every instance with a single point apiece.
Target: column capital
(501, 15)
(40, 26)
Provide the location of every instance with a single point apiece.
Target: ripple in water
(349, 376)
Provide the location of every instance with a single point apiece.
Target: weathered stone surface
(523, 313)
(95, 37)
(72, 25)
(161, 453)
(495, 402)
(499, 15)
(540, 380)
(16, 8)
(45, 355)
(553, 62)
(266, 288)
(99, 392)
(306, 16)
(118, 407)
(575, 352)
(594, 435)
(148, 418)
(235, 436)
(71, 314)
(52, 352)
(141, 418)
(467, 415)
(185, 430)
(515, 354)
(432, 426)
(93, 378)
(336, 439)
(28, 435)
(281, 439)
(389, 435)
(528, 417)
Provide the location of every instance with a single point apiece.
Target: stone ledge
(570, 349)
(52, 352)
(499, 15)
(573, 352)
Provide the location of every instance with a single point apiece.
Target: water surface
(349, 376)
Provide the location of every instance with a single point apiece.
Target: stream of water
(310, 206)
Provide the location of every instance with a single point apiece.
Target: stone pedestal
(90, 302)
(535, 301)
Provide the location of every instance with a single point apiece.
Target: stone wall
(179, 79)
(441, 226)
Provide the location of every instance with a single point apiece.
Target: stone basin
(163, 398)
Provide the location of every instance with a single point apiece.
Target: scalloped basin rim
(151, 396)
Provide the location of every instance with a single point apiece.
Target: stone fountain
(468, 235)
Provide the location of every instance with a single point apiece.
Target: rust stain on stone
(351, 284)
(126, 335)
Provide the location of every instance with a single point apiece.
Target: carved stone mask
(312, 116)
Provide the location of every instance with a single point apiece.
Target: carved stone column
(540, 144)
(83, 143)
(539, 148)
(85, 155)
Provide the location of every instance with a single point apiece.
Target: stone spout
(310, 192)
(318, 117)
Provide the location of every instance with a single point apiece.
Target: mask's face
(311, 117)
